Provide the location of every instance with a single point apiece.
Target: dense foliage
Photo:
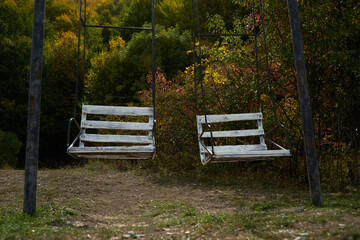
(9, 149)
(118, 63)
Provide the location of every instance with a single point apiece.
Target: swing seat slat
(91, 124)
(234, 133)
(229, 117)
(234, 148)
(115, 138)
(117, 110)
(225, 156)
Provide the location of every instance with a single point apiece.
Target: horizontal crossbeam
(119, 27)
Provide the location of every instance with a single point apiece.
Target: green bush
(176, 139)
(176, 135)
(9, 149)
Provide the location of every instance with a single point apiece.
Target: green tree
(57, 97)
(117, 75)
(15, 48)
(9, 149)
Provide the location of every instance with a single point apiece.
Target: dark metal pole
(153, 56)
(306, 114)
(33, 124)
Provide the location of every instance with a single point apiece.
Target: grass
(266, 219)
(255, 212)
(259, 218)
(49, 220)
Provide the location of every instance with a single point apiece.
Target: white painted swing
(235, 153)
(93, 142)
(114, 132)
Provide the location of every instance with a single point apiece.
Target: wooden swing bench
(113, 146)
(235, 153)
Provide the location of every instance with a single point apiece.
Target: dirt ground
(136, 202)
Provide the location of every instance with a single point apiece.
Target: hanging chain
(201, 76)
(267, 63)
(77, 62)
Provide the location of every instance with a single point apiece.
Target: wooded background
(118, 64)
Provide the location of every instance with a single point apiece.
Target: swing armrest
(287, 136)
(211, 139)
(68, 131)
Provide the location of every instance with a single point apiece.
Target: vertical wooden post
(306, 114)
(33, 124)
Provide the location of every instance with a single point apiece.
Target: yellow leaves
(214, 75)
(91, 6)
(7, 103)
(189, 71)
(66, 21)
(62, 58)
(94, 3)
(64, 47)
(99, 61)
(10, 2)
(116, 44)
(98, 64)
(70, 35)
(174, 3)
(65, 39)
(223, 52)
(63, 18)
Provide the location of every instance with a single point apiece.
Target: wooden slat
(229, 117)
(235, 133)
(116, 157)
(240, 159)
(252, 154)
(111, 150)
(235, 148)
(248, 156)
(92, 124)
(116, 110)
(115, 138)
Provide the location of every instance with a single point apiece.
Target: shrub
(227, 89)
(9, 149)
(176, 136)
(175, 120)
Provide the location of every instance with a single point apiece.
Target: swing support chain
(197, 33)
(73, 119)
